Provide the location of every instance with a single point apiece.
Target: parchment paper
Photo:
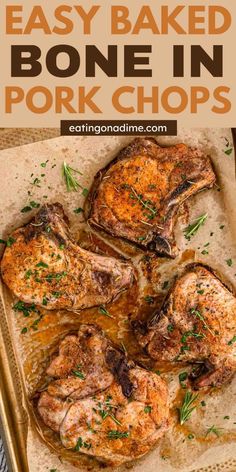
(88, 155)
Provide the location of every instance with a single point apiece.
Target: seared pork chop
(138, 195)
(100, 403)
(197, 324)
(45, 266)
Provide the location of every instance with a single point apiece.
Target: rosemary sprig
(78, 372)
(187, 407)
(104, 311)
(113, 434)
(213, 429)
(142, 202)
(201, 317)
(72, 183)
(194, 227)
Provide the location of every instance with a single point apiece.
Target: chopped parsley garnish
(192, 229)
(81, 443)
(58, 276)
(170, 328)
(226, 417)
(43, 164)
(8, 242)
(147, 409)
(62, 246)
(78, 210)
(203, 403)
(45, 302)
(30, 207)
(28, 273)
(149, 299)
(182, 377)
(229, 262)
(26, 209)
(232, 341)
(34, 204)
(85, 192)
(213, 429)
(187, 407)
(228, 151)
(42, 264)
(200, 292)
(204, 252)
(34, 325)
(191, 436)
(165, 285)
(24, 330)
(113, 434)
(25, 309)
(78, 372)
(104, 311)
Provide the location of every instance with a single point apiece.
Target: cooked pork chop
(100, 403)
(45, 266)
(197, 324)
(138, 195)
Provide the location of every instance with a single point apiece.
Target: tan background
(161, 62)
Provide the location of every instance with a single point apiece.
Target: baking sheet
(88, 155)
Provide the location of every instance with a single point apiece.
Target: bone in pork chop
(45, 266)
(197, 324)
(100, 403)
(138, 195)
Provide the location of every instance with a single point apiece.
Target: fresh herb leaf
(85, 192)
(149, 299)
(72, 183)
(170, 328)
(232, 341)
(182, 377)
(229, 151)
(187, 407)
(26, 209)
(34, 204)
(25, 309)
(2, 241)
(147, 409)
(78, 210)
(165, 285)
(42, 264)
(229, 262)
(213, 429)
(10, 241)
(78, 372)
(24, 330)
(113, 434)
(104, 311)
(43, 164)
(191, 436)
(194, 227)
(79, 444)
